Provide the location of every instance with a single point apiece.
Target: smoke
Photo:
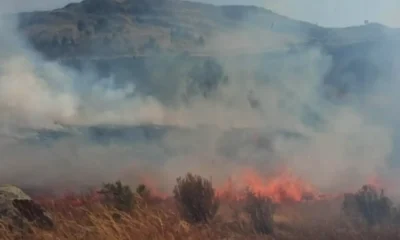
(36, 93)
(340, 146)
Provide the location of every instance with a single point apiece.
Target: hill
(136, 27)
(126, 39)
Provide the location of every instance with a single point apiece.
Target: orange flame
(138, 175)
(375, 182)
(283, 187)
(152, 186)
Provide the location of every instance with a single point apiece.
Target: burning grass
(282, 187)
(88, 216)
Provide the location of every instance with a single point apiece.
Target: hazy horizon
(339, 13)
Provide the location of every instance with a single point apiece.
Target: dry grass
(93, 221)
(145, 222)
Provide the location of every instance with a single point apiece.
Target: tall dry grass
(97, 222)
(159, 220)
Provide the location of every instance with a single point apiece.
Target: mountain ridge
(104, 28)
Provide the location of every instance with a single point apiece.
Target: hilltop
(95, 28)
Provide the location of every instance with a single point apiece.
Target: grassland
(81, 217)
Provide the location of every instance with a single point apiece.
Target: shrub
(118, 196)
(368, 205)
(143, 192)
(195, 198)
(261, 212)
(206, 78)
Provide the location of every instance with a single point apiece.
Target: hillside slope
(98, 28)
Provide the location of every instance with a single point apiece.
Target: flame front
(283, 187)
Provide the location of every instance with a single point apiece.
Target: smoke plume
(341, 145)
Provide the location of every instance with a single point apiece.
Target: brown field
(159, 219)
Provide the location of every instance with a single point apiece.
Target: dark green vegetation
(118, 195)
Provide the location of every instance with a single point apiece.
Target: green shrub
(118, 196)
(143, 192)
(195, 198)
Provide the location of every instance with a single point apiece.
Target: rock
(19, 210)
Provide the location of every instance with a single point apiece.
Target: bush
(118, 196)
(195, 198)
(206, 78)
(143, 192)
(368, 205)
(261, 212)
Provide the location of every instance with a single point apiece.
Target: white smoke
(344, 144)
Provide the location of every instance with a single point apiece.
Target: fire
(136, 174)
(284, 187)
(375, 182)
(152, 186)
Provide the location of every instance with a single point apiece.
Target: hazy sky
(330, 12)
(323, 12)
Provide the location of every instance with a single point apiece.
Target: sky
(331, 13)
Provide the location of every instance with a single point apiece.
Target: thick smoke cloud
(341, 145)
(37, 93)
